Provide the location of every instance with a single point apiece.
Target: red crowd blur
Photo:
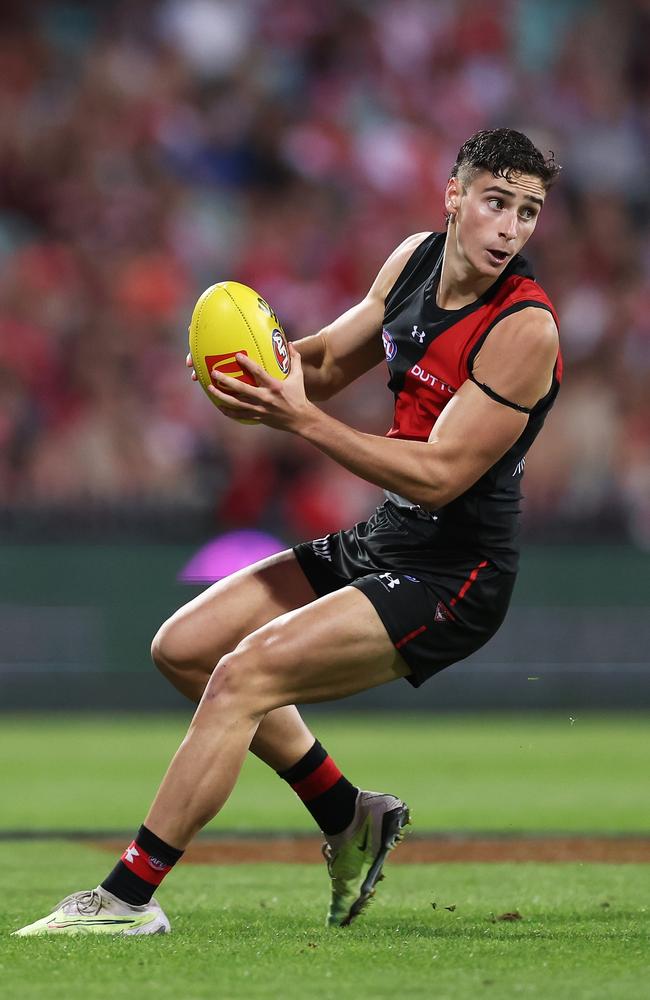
(148, 150)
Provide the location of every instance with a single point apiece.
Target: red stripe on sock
(468, 583)
(321, 780)
(144, 865)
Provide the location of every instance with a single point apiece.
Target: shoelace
(86, 903)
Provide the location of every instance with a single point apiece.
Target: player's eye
(528, 214)
(495, 202)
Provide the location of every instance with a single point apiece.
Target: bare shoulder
(395, 264)
(518, 356)
(530, 334)
(407, 246)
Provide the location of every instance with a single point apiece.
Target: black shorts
(438, 606)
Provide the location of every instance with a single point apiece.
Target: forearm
(470, 435)
(313, 354)
(342, 351)
(409, 468)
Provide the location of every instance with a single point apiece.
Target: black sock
(141, 868)
(327, 794)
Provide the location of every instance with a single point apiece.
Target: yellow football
(229, 319)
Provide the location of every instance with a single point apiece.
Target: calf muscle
(335, 647)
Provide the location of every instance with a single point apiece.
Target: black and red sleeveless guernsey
(430, 352)
(440, 581)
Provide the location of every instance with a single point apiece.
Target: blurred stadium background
(150, 149)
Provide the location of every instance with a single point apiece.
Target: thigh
(212, 624)
(438, 604)
(332, 648)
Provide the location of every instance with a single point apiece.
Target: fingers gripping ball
(231, 319)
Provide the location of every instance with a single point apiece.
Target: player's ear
(452, 198)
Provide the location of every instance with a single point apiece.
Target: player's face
(494, 218)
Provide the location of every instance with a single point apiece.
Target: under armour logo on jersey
(418, 335)
(520, 466)
(388, 580)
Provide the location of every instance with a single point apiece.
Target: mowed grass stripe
(257, 932)
(472, 773)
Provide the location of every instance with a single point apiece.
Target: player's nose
(508, 225)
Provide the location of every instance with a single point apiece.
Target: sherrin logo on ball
(228, 319)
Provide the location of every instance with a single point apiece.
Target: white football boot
(96, 911)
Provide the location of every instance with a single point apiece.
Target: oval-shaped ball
(228, 319)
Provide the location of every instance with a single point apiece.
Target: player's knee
(158, 651)
(230, 679)
(242, 677)
(168, 651)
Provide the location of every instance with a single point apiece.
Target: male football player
(471, 344)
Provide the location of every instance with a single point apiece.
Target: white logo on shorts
(321, 547)
(389, 581)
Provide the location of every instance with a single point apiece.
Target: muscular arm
(473, 431)
(351, 344)
(471, 434)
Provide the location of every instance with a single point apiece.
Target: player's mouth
(498, 257)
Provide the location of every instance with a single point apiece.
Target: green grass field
(257, 930)
(496, 773)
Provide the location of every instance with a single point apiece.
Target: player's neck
(459, 283)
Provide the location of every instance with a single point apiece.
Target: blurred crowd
(150, 149)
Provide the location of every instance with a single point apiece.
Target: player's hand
(280, 404)
(190, 364)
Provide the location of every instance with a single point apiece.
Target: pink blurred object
(228, 553)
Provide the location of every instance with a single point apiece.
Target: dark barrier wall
(77, 621)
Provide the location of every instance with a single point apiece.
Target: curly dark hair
(504, 152)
